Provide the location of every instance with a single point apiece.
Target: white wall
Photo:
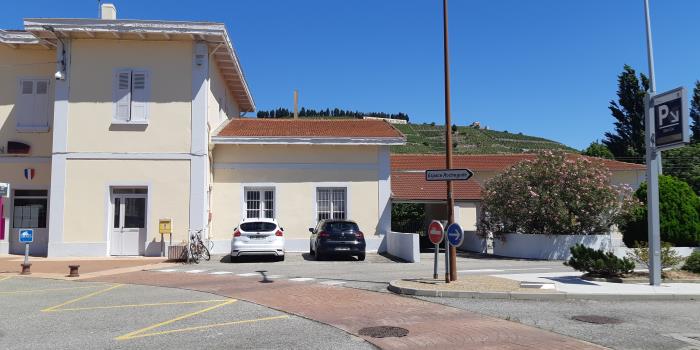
(545, 247)
(404, 246)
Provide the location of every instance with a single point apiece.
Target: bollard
(25, 269)
(73, 271)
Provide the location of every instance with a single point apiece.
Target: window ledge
(32, 129)
(123, 122)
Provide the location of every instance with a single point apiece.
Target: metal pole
(448, 145)
(435, 263)
(26, 254)
(653, 158)
(447, 260)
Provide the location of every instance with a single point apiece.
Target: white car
(258, 237)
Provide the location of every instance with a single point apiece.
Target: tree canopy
(627, 140)
(335, 112)
(597, 149)
(695, 113)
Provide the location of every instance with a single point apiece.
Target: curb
(555, 296)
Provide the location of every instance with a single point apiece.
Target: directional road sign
(436, 232)
(671, 119)
(448, 174)
(26, 235)
(455, 234)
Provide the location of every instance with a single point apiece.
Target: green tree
(679, 210)
(684, 163)
(597, 149)
(627, 141)
(695, 113)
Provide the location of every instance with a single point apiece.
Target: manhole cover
(383, 332)
(596, 319)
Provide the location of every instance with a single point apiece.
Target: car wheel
(311, 249)
(234, 259)
(280, 258)
(361, 257)
(317, 255)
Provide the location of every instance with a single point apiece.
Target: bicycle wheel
(195, 252)
(205, 253)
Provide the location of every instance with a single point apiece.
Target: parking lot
(41, 313)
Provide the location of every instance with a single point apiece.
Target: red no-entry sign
(436, 232)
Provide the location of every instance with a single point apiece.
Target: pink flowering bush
(554, 194)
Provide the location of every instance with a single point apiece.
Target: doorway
(128, 224)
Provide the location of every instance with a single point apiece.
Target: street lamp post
(653, 159)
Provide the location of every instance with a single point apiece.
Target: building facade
(110, 125)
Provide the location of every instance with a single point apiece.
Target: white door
(128, 232)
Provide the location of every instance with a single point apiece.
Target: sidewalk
(565, 285)
(57, 268)
(429, 325)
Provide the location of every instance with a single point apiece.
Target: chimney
(296, 104)
(108, 11)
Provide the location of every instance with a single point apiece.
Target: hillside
(426, 138)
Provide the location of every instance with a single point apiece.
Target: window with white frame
(131, 93)
(331, 203)
(32, 109)
(260, 203)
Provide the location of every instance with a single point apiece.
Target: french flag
(29, 173)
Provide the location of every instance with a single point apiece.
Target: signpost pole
(448, 145)
(653, 160)
(435, 263)
(447, 260)
(26, 253)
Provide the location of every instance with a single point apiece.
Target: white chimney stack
(108, 11)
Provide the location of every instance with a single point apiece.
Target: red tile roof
(408, 179)
(310, 128)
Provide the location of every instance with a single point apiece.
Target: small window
(32, 108)
(259, 203)
(131, 95)
(331, 203)
(29, 209)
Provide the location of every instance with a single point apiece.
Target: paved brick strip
(430, 325)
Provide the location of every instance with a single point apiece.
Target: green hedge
(679, 208)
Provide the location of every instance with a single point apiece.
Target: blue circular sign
(455, 234)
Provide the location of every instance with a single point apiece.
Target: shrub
(692, 264)
(554, 194)
(640, 254)
(679, 209)
(598, 262)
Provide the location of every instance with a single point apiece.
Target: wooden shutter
(139, 95)
(25, 103)
(122, 95)
(40, 117)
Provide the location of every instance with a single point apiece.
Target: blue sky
(542, 67)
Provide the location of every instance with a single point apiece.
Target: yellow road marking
(82, 298)
(43, 290)
(134, 334)
(205, 326)
(137, 305)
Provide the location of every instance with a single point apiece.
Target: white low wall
(473, 242)
(685, 252)
(404, 246)
(545, 247)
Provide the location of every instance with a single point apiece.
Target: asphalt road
(645, 325)
(42, 313)
(375, 272)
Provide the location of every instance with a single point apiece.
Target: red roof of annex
(311, 128)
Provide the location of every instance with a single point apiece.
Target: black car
(337, 237)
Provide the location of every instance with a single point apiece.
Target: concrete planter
(404, 246)
(545, 247)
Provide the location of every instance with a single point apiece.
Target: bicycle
(197, 248)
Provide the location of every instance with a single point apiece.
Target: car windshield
(258, 226)
(341, 226)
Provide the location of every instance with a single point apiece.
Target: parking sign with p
(671, 119)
